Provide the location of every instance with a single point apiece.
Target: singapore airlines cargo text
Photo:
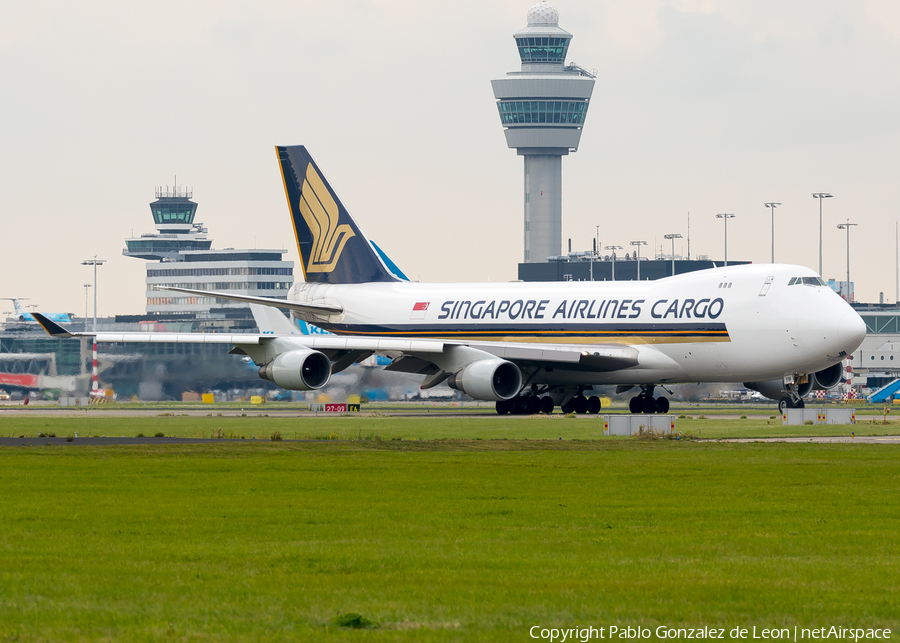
(664, 632)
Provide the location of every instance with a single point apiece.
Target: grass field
(438, 540)
(259, 426)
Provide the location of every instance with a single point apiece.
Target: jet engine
(774, 389)
(488, 379)
(828, 377)
(300, 370)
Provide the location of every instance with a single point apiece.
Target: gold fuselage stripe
(553, 337)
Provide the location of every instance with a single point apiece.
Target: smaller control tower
(543, 107)
(180, 254)
(173, 213)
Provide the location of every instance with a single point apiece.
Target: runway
(124, 441)
(95, 442)
(834, 439)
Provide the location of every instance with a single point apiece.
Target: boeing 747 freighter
(530, 347)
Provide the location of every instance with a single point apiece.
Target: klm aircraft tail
(332, 248)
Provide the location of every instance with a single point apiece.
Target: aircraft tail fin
(332, 247)
(394, 268)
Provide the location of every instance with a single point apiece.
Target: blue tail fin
(395, 270)
(332, 248)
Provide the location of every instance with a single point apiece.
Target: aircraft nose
(851, 331)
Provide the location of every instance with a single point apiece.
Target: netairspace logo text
(585, 634)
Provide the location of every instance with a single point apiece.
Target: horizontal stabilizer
(53, 329)
(314, 309)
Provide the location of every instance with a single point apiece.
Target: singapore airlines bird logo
(321, 214)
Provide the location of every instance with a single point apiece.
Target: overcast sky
(700, 106)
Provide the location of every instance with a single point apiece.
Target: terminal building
(542, 109)
(586, 266)
(180, 254)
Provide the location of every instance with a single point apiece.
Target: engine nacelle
(300, 370)
(828, 377)
(774, 389)
(488, 379)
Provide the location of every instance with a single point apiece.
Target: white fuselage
(731, 324)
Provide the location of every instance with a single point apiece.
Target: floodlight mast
(821, 196)
(772, 205)
(86, 286)
(846, 226)
(672, 237)
(613, 248)
(639, 244)
(726, 217)
(94, 262)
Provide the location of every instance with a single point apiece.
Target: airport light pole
(672, 237)
(639, 244)
(773, 206)
(726, 217)
(846, 226)
(613, 248)
(94, 262)
(86, 286)
(821, 196)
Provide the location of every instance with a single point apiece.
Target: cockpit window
(807, 281)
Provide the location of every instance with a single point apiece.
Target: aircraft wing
(596, 357)
(411, 355)
(315, 309)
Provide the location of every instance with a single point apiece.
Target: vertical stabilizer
(332, 248)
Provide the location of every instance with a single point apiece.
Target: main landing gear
(644, 402)
(534, 402)
(581, 404)
(523, 405)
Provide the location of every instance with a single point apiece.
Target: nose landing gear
(793, 399)
(786, 403)
(644, 402)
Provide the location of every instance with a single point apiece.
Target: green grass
(443, 541)
(256, 425)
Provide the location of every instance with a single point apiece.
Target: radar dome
(543, 14)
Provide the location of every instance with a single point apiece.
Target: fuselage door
(765, 288)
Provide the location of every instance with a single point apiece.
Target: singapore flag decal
(419, 309)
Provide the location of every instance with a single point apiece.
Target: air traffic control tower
(542, 108)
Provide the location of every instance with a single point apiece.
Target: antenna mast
(689, 236)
